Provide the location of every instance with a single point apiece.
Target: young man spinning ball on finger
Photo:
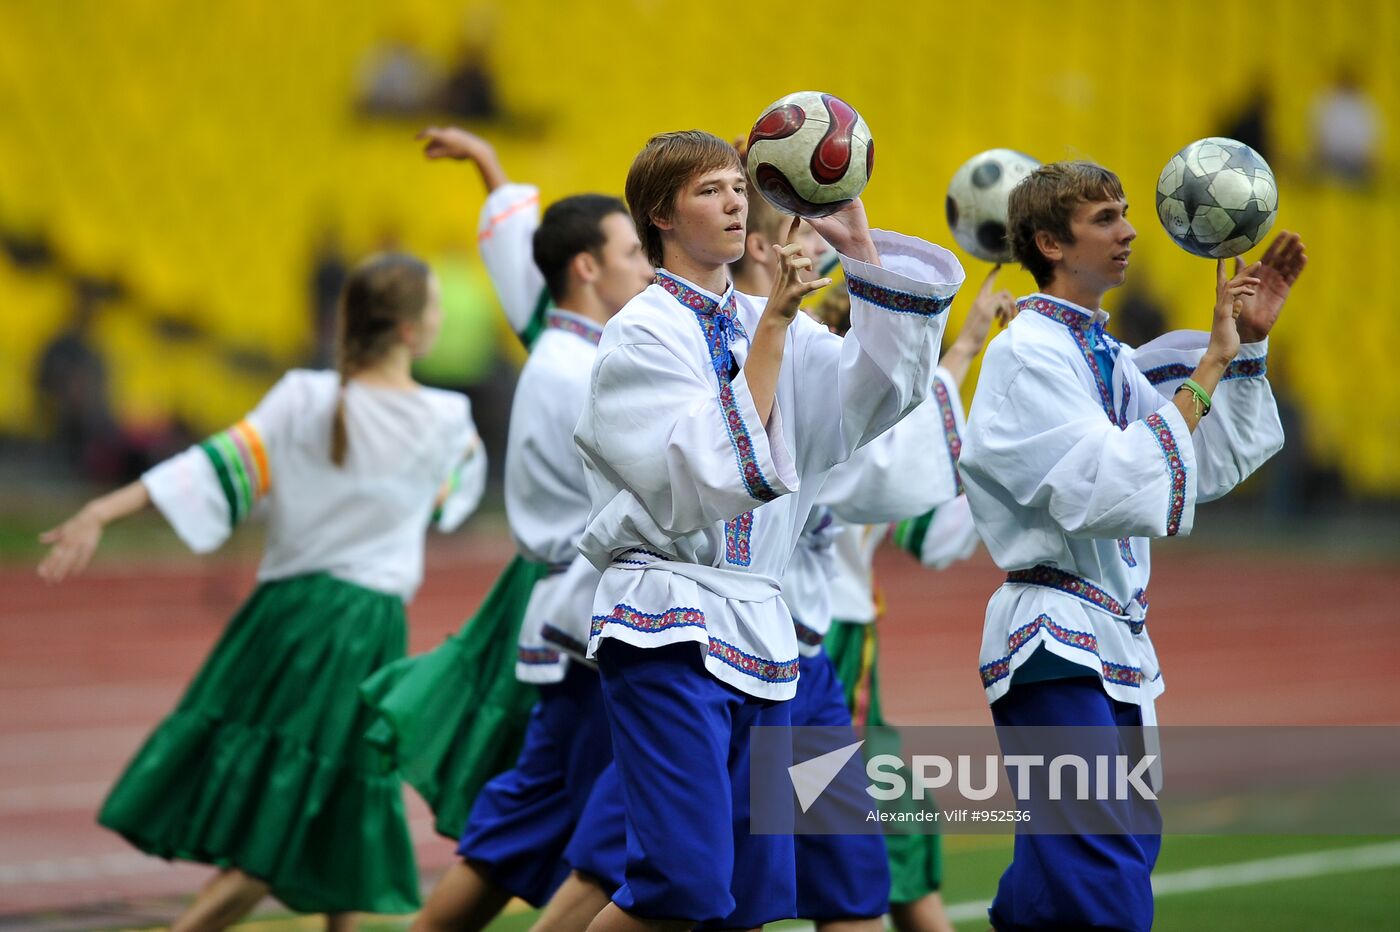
(711, 421)
(1079, 451)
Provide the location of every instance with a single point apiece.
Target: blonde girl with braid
(262, 769)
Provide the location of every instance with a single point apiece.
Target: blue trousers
(1079, 881)
(681, 752)
(523, 819)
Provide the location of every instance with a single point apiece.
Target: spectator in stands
(1346, 130)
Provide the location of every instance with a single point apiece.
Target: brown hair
(569, 227)
(666, 164)
(381, 293)
(1046, 199)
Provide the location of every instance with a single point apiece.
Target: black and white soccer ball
(810, 154)
(977, 199)
(1217, 198)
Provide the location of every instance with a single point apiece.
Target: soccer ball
(977, 199)
(1217, 198)
(810, 154)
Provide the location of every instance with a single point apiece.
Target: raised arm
(853, 389)
(765, 359)
(989, 305)
(505, 229)
(1243, 428)
(449, 142)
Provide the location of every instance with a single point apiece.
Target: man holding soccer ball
(711, 421)
(1079, 451)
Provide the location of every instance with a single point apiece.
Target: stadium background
(185, 173)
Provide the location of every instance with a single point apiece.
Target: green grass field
(1241, 884)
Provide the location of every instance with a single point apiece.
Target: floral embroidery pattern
(770, 671)
(629, 617)
(720, 326)
(1071, 317)
(1239, 369)
(1052, 578)
(737, 532)
(1122, 674)
(1125, 550)
(1247, 369)
(950, 429)
(582, 329)
(1077, 323)
(754, 481)
(999, 669)
(901, 302)
(1176, 467)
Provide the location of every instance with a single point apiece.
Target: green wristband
(1201, 394)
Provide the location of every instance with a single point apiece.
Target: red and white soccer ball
(810, 154)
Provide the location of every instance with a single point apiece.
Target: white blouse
(362, 522)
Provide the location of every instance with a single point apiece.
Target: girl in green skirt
(262, 769)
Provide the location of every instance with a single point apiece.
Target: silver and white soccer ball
(977, 199)
(810, 154)
(1217, 198)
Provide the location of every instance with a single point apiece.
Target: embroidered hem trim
(997, 670)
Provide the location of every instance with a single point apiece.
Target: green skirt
(263, 765)
(455, 717)
(916, 861)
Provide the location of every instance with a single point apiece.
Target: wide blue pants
(681, 753)
(523, 818)
(1074, 881)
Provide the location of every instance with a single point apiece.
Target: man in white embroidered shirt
(1079, 450)
(711, 421)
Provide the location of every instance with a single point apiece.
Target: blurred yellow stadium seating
(197, 150)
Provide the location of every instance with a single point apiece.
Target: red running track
(87, 668)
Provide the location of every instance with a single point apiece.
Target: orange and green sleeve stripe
(239, 458)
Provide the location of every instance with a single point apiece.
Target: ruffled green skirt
(264, 766)
(455, 717)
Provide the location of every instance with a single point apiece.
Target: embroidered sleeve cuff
(1177, 453)
(764, 461)
(1171, 358)
(914, 277)
(1251, 362)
